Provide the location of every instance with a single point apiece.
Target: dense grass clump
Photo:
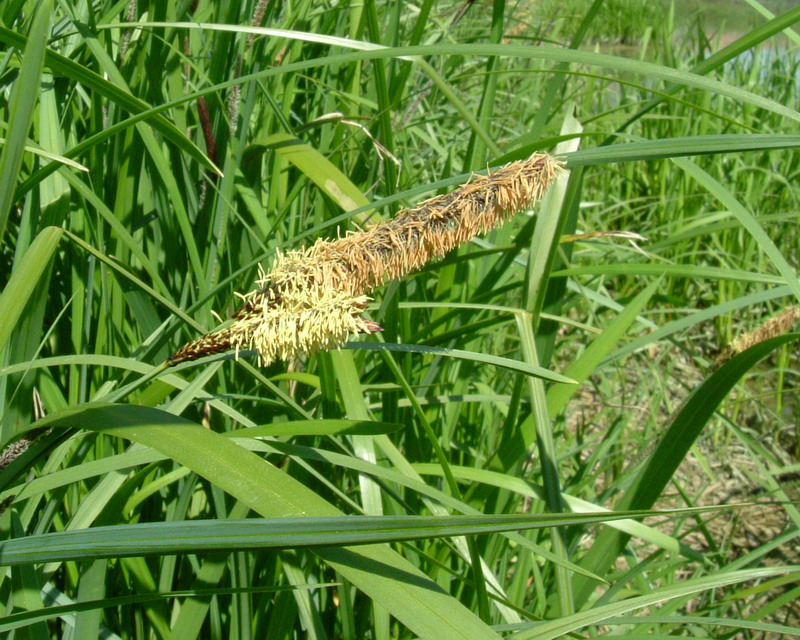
(548, 357)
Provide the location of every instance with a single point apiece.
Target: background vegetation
(155, 156)
(624, 21)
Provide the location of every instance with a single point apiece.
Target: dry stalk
(313, 298)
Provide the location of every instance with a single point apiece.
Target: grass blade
(23, 280)
(378, 571)
(21, 110)
(505, 363)
(671, 450)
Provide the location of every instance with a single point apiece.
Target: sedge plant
(479, 468)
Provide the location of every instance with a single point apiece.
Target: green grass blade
(536, 492)
(379, 572)
(505, 363)
(551, 478)
(558, 628)
(746, 42)
(680, 146)
(735, 623)
(588, 362)
(63, 66)
(31, 147)
(26, 591)
(370, 51)
(678, 270)
(693, 416)
(23, 619)
(322, 428)
(316, 167)
(695, 319)
(671, 450)
(21, 109)
(164, 538)
(746, 219)
(24, 279)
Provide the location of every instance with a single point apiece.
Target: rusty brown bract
(313, 298)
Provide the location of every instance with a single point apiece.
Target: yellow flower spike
(303, 323)
(313, 299)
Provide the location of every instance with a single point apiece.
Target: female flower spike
(313, 298)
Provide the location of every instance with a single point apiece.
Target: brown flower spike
(313, 299)
(775, 326)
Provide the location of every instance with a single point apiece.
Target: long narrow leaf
(163, 538)
(378, 571)
(672, 448)
(21, 107)
(24, 279)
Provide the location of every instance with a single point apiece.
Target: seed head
(313, 298)
(775, 326)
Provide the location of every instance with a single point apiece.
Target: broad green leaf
(400, 587)
(164, 538)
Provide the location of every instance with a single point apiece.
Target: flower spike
(314, 298)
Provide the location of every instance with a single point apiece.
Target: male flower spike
(313, 298)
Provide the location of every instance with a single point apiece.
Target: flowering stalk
(775, 326)
(313, 298)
